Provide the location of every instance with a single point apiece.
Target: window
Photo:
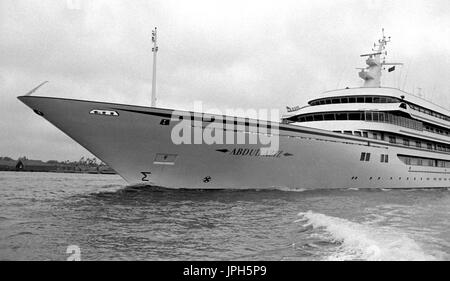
(318, 117)
(329, 117)
(405, 142)
(392, 139)
(375, 136)
(375, 116)
(384, 158)
(418, 144)
(348, 132)
(365, 156)
(352, 100)
(429, 146)
(369, 100)
(357, 133)
(365, 134)
(354, 116)
(360, 99)
(341, 116)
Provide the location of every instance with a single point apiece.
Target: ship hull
(137, 142)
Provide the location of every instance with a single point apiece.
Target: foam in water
(365, 242)
(290, 189)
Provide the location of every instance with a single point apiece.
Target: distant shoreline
(84, 166)
(60, 172)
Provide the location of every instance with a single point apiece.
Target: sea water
(44, 214)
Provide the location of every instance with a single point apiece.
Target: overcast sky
(227, 54)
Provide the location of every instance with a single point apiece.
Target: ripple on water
(109, 220)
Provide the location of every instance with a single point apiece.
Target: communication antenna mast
(155, 51)
(376, 62)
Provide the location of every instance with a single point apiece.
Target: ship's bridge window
(354, 99)
(341, 116)
(382, 117)
(329, 117)
(354, 116)
(318, 117)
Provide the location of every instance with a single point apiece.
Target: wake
(364, 242)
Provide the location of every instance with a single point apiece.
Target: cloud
(228, 54)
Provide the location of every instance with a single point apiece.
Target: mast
(372, 74)
(155, 51)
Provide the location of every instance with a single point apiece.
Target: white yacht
(365, 137)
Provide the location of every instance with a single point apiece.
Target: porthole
(104, 112)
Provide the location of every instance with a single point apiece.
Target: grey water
(42, 214)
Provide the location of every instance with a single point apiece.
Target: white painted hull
(310, 158)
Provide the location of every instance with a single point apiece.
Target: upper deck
(399, 95)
